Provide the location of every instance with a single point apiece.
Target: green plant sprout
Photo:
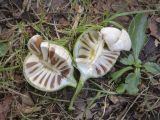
(93, 58)
(137, 30)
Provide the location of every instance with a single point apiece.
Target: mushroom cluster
(48, 67)
(93, 59)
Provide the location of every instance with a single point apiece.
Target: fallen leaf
(114, 99)
(28, 109)
(63, 22)
(81, 110)
(27, 100)
(154, 27)
(5, 107)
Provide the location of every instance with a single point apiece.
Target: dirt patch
(54, 20)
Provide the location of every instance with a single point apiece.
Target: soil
(55, 19)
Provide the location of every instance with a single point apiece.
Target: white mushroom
(91, 58)
(48, 67)
(115, 39)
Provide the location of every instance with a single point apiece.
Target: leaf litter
(64, 15)
(5, 106)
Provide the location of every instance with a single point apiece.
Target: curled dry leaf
(48, 67)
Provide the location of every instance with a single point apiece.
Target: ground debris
(154, 27)
(27, 105)
(5, 106)
(81, 111)
(21, 19)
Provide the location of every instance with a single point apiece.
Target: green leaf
(119, 73)
(128, 61)
(3, 49)
(121, 88)
(131, 83)
(130, 13)
(152, 67)
(137, 30)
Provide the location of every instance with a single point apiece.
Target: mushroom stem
(72, 82)
(78, 90)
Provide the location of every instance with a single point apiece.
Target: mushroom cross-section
(93, 60)
(48, 67)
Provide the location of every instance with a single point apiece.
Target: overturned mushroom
(92, 59)
(48, 67)
(115, 39)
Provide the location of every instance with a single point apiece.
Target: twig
(6, 19)
(15, 92)
(78, 16)
(49, 5)
(134, 103)
(8, 60)
(55, 27)
(104, 109)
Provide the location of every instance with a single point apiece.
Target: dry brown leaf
(114, 99)
(81, 110)
(154, 28)
(5, 106)
(63, 22)
(27, 100)
(27, 109)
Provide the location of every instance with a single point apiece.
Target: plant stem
(78, 89)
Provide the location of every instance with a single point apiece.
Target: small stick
(78, 16)
(134, 103)
(55, 27)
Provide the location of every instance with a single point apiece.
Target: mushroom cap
(48, 67)
(115, 39)
(92, 59)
